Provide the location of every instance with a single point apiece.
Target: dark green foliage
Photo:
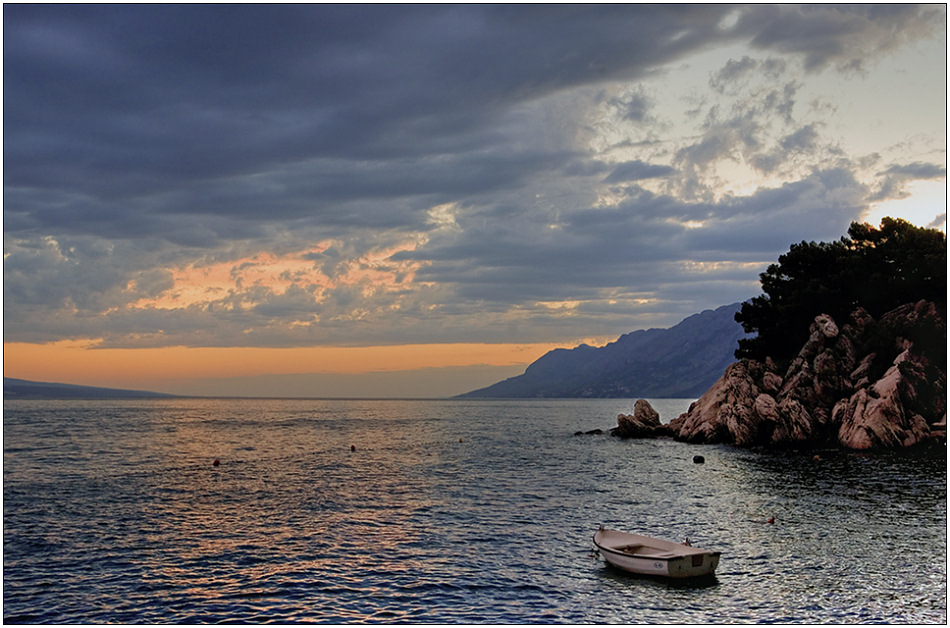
(877, 269)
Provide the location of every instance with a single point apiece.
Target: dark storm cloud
(139, 138)
(119, 100)
(132, 107)
(844, 35)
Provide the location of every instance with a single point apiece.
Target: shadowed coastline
(25, 389)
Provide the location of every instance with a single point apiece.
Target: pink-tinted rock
(643, 423)
(826, 325)
(766, 408)
(645, 413)
(876, 417)
(724, 412)
(859, 376)
(832, 393)
(796, 426)
(771, 382)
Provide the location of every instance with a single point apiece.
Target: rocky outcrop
(726, 412)
(643, 423)
(869, 384)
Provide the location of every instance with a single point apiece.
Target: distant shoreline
(26, 389)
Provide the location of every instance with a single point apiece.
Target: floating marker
(216, 463)
(699, 459)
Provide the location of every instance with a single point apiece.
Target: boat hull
(644, 555)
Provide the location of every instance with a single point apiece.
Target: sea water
(451, 511)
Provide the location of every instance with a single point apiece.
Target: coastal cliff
(867, 384)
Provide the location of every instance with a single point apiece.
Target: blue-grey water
(457, 511)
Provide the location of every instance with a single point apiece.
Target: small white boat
(654, 557)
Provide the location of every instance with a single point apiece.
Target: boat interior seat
(645, 550)
(663, 555)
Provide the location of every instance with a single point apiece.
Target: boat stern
(694, 565)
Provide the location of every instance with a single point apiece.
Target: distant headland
(25, 389)
(679, 362)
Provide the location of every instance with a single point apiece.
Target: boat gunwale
(686, 551)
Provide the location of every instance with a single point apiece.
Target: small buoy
(352, 447)
(771, 520)
(817, 458)
(215, 463)
(460, 440)
(699, 459)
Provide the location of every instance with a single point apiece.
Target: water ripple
(446, 512)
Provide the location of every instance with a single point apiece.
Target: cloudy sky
(323, 200)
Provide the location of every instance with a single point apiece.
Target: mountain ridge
(680, 361)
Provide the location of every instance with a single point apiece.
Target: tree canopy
(877, 269)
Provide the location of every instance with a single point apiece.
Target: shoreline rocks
(861, 386)
(866, 385)
(643, 423)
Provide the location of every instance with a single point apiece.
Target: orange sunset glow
(277, 211)
(79, 362)
(202, 283)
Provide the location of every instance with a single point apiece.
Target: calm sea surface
(446, 512)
